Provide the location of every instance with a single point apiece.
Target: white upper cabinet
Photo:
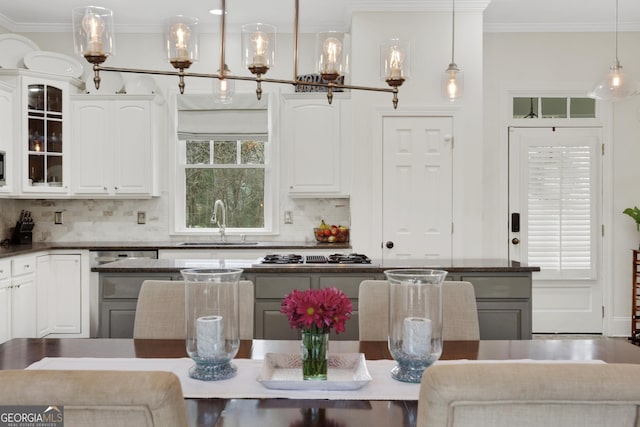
(6, 137)
(316, 145)
(41, 134)
(114, 150)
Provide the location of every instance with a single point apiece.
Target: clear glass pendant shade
(223, 89)
(452, 83)
(614, 86)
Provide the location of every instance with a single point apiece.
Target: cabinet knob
(389, 244)
(515, 241)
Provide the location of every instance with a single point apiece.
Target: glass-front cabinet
(41, 139)
(45, 137)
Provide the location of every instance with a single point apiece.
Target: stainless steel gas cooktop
(315, 259)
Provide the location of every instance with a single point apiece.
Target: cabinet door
(45, 139)
(132, 142)
(64, 294)
(504, 320)
(45, 292)
(7, 112)
(271, 324)
(92, 151)
(23, 304)
(313, 144)
(5, 310)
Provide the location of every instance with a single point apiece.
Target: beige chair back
(160, 310)
(530, 394)
(459, 311)
(100, 398)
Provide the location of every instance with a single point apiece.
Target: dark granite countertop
(7, 251)
(251, 266)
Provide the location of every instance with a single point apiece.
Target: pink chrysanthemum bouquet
(317, 309)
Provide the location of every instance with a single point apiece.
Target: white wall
(429, 35)
(570, 60)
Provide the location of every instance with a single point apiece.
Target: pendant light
(616, 84)
(224, 88)
(452, 78)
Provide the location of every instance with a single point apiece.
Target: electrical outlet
(142, 217)
(287, 217)
(57, 217)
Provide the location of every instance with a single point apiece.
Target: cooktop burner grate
(282, 259)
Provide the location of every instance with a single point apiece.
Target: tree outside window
(230, 170)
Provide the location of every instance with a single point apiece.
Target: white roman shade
(561, 207)
(201, 118)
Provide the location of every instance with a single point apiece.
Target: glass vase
(415, 321)
(212, 324)
(315, 349)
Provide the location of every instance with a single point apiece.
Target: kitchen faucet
(214, 217)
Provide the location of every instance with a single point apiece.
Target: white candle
(416, 336)
(210, 340)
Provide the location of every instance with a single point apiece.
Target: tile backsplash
(117, 220)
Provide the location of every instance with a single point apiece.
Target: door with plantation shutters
(555, 222)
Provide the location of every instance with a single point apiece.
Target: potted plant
(635, 214)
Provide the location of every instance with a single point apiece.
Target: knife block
(22, 233)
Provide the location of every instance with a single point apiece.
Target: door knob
(389, 244)
(515, 240)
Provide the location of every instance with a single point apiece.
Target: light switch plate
(142, 217)
(57, 217)
(287, 217)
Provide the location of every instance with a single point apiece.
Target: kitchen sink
(217, 243)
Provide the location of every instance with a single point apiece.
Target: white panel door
(555, 188)
(417, 187)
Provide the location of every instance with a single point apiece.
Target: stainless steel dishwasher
(113, 296)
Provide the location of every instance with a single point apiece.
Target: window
(232, 171)
(224, 153)
(553, 107)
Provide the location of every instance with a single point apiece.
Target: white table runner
(245, 386)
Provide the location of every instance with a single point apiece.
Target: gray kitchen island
(503, 291)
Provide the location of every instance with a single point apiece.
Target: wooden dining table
(19, 353)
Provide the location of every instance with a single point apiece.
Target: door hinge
(602, 229)
(451, 228)
(603, 311)
(603, 149)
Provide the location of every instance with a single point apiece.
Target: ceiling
(25, 16)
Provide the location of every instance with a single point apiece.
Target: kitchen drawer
(278, 287)
(347, 284)
(5, 269)
(23, 265)
(124, 287)
(500, 287)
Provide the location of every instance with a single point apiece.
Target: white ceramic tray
(347, 371)
(53, 62)
(13, 48)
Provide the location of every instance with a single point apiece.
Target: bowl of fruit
(331, 233)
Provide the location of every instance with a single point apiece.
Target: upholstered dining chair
(99, 398)
(459, 311)
(570, 394)
(160, 310)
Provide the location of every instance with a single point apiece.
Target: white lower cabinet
(5, 300)
(22, 297)
(59, 294)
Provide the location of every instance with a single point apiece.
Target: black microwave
(3, 168)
